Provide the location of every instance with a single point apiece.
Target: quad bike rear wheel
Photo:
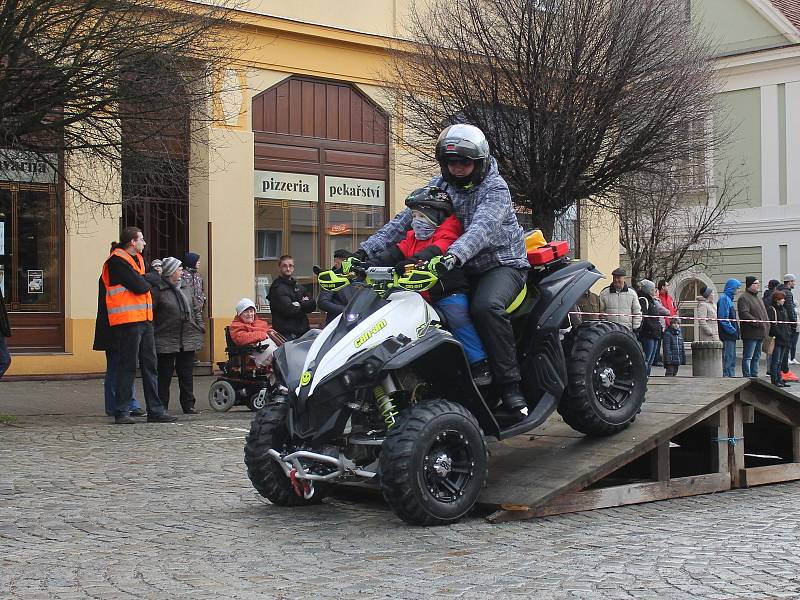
(221, 395)
(607, 379)
(433, 463)
(268, 431)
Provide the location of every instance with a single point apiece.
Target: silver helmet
(463, 141)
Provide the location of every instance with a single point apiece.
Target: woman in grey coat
(179, 332)
(706, 313)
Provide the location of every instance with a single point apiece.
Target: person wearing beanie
(751, 308)
(652, 312)
(728, 326)
(772, 285)
(248, 330)
(790, 306)
(674, 352)
(179, 332)
(193, 280)
(621, 303)
(706, 315)
(781, 334)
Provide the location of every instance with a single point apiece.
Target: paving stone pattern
(90, 510)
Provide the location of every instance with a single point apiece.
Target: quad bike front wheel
(268, 431)
(607, 379)
(221, 395)
(433, 464)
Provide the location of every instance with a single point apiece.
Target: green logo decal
(364, 337)
(305, 378)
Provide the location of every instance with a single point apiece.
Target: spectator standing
(193, 280)
(156, 266)
(674, 352)
(668, 302)
(333, 303)
(130, 315)
(5, 332)
(751, 308)
(651, 330)
(179, 331)
(620, 302)
(289, 302)
(789, 281)
(781, 331)
(728, 327)
(772, 285)
(706, 314)
(589, 303)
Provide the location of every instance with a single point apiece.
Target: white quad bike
(384, 393)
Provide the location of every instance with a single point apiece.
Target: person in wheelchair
(434, 228)
(247, 330)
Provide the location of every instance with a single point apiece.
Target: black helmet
(434, 202)
(465, 141)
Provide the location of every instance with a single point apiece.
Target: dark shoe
(191, 411)
(138, 413)
(161, 418)
(784, 384)
(123, 421)
(513, 399)
(481, 373)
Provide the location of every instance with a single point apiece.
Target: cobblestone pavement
(166, 511)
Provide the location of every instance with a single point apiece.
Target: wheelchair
(242, 381)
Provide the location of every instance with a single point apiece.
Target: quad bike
(384, 393)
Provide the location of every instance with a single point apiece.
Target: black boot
(163, 417)
(481, 373)
(513, 399)
(123, 420)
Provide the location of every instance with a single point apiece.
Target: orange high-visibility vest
(123, 305)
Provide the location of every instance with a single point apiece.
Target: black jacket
(333, 303)
(289, 319)
(5, 325)
(103, 336)
(782, 332)
(791, 312)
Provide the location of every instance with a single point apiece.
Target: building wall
(736, 25)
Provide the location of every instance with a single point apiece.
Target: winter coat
(452, 282)
(782, 332)
(728, 326)
(789, 306)
(751, 307)
(192, 280)
(5, 325)
(103, 335)
(492, 235)
(248, 334)
(288, 307)
(668, 302)
(674, 352)
(621, 302)
(177, 326)
(652, 328)
(333, 303)
(590, 303)
(706, 314)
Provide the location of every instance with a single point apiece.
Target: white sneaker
(794, 362)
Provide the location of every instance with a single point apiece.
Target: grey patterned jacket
(492, 236)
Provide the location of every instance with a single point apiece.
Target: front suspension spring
(386, 406)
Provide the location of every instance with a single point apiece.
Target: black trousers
(136, 341)
(183, 364)
(492, 292)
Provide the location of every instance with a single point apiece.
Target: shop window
(349, 225)
(269, 244)
(30, 266)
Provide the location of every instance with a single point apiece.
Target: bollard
(707, 359)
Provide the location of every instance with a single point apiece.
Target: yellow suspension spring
(385, 405)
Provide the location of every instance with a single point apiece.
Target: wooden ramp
(693, 436)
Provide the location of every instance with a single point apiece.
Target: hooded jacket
(492, 236)
(621, 302)
(706, 314)
(751, 308)
(728, 326)
(674, 352)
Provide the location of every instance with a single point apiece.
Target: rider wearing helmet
(491, 249)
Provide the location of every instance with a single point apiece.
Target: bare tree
(573, 95)
(110, 81)
(668, 226)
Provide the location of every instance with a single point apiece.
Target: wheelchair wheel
(258, 400)
(221, 395)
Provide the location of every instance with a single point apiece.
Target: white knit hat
(243, 304)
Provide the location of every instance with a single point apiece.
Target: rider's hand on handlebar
(442, 264)
(349, 263)
(400, 268)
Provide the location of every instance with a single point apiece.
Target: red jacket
(668, 302)
(444, 236)
(248, 334)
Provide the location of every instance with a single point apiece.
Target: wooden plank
(736, 449)
(637, 493)
(295, 107)
(719, 451)
(659, 462)
(748, 413)
(308, 114)
(770, 474)
(776, 403)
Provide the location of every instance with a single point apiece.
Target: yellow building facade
(301, 161)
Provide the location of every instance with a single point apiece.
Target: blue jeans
(455, 309)
(5, 356)
(650, 348)
(778, 354)
(110, 384)
(729, 358)
(751, 354)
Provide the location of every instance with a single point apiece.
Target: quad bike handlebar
(416, 277)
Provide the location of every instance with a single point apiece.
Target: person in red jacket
(434, 228)
(247, 330)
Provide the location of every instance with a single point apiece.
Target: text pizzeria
(272, 185)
